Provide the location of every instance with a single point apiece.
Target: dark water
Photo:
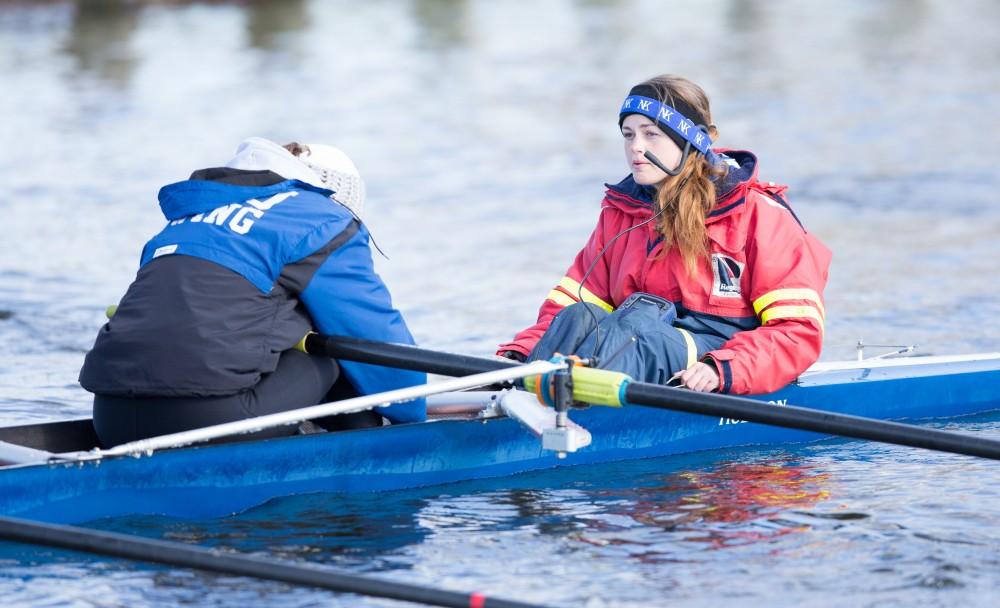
(484, 131)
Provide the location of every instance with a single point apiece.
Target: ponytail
(686, 199)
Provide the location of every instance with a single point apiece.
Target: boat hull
(217, 480)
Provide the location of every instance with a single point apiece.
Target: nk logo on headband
(669, 116)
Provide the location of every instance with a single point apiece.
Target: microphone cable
(600, 254)
(597, 328)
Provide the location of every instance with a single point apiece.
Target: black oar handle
(217, 560)
(401, 356)
(807, 419)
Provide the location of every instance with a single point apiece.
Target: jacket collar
(238, 177)
(226, 185)
(637, 200)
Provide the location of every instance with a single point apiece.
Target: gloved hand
(513, 354)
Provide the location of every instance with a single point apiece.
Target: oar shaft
(793, 417)
(215, 560)
(401, 356)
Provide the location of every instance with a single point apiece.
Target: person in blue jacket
(253, 256)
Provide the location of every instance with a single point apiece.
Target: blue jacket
(247, 264)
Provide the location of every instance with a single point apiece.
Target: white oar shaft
(346, 406)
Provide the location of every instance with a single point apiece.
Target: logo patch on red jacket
(727, 273)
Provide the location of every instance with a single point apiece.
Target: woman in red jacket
(697, 272)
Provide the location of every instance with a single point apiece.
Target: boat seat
(62, 436)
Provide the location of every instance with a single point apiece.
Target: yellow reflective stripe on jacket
(560, 298)
(791, 312)
(691, 348)
(789, 294)
(588, 296)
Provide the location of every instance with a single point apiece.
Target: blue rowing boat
(215, 480)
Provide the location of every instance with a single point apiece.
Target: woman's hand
(701, 377)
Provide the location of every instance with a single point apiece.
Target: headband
(679, 128)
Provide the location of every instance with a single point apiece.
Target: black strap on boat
(225, 562)
(663, 397)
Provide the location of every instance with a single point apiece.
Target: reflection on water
(829, 522)
(738, 492)
(443, 24)
(729, 504)
(734, 504)
(356, 531)
(102, 34)
(100, 40)
(270, 23)
(669, 517)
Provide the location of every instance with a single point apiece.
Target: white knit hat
(338, 173)
(319, 165)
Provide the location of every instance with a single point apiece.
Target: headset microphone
(651, 158)
(659, 165)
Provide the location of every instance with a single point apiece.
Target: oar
(617, 389)
(345, 406)
(216, 560)
(402, 356)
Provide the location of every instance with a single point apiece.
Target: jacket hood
(634, 199)
(260, 168)
(259, 154)
(193, 196)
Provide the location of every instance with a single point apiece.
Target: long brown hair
(687, 199)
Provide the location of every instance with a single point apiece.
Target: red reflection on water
(742, 492)
(732, 505)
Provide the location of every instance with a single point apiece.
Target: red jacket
(763, 289)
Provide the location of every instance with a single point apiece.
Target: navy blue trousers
(638, 338)
(300, 380)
